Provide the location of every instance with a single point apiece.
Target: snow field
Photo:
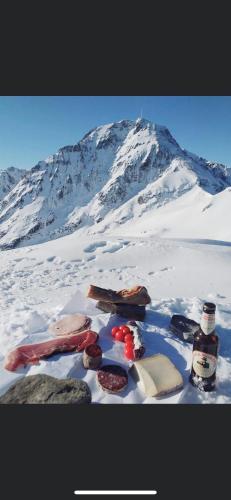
(42, 283)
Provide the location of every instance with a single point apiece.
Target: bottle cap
(209, 307)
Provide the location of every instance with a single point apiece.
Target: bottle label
(207, 323)
(204, 364)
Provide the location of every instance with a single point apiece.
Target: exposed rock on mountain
(8, 179)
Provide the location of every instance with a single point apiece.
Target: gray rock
(43, 389)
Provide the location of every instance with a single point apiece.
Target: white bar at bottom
(115, 492)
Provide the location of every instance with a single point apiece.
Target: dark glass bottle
(205, 351)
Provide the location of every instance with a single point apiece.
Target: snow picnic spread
(155, 374)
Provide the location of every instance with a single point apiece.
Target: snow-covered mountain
(8, 179)
(116, 174)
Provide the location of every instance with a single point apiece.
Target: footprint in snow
(68, 266)
(152, 273)
(93, 246)
(91, 257)
(113, 248)
(50, 259)
(125, 242)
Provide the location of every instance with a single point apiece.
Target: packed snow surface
(42, 283)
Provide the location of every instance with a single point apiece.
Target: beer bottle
(205, 351)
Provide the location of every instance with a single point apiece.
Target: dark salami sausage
(112, 378)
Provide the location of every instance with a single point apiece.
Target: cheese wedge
(156, 375)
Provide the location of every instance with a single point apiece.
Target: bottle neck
(207, 323)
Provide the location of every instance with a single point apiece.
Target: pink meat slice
(71, 325)
(32, 353)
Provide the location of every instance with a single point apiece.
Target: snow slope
(194, 214)
(115, 174)
(42, 283)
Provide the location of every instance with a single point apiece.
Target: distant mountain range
(117, 174)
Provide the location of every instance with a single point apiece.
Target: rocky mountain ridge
(8, 179)
(124, 169)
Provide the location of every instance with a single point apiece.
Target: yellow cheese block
(156, 375)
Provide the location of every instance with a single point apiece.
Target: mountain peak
(119, 170)
(161, 133)
(144, 122)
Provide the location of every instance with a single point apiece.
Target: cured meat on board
(137, 295)
(32, 353)
(124, 310)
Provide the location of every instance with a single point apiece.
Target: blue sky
(33, 127)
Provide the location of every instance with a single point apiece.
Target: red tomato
(125, 329)
(119, 336)
(129, 352)
(114, 330)
(128, 338)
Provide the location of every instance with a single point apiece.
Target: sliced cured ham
(137, 295)
(71, 325)
(32, 353)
